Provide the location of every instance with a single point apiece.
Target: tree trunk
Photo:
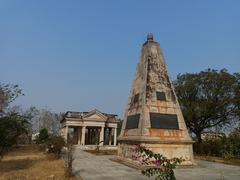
(199, 149)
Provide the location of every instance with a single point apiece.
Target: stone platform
(92, 167)
(93, 147)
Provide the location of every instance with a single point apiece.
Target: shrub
(156, 164)
(69, 160)
(232, 145)
(55, 143)
(226, 147)
(42, 137)
(11, 127)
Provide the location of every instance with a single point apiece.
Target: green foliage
(69, 160)
(226, 147)
(208, 99)
(156, 164)
(12, 124)
(42, 137)
(11, 127)
(55, 143)
(119, 126)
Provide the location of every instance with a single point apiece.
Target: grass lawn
(28, 162)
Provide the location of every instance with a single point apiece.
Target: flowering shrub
(156, 164)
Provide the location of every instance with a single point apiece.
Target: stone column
(101, 136)
(110, 136)
(115, 137)
(83, 135)
(79, 136)
(66, 133)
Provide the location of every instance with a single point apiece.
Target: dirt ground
(29, 163)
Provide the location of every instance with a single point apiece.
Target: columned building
(88, 129)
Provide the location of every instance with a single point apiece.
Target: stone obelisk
(153, 116)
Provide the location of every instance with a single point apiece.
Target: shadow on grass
(13, 165)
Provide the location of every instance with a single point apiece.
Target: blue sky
(81, 55)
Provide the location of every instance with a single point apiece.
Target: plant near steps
(55, 144)
(98, 145)
(69, 160)
(155, 164)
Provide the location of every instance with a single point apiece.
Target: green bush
(55, 143)
(42, 137)
(232, 146)
(226, 147)
(12, 126)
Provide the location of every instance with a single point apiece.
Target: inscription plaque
(161, 96)
(164, 121)
(136, 97)
(132, 121)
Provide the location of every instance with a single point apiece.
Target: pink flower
(157, 163)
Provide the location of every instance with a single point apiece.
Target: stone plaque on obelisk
(153, 116)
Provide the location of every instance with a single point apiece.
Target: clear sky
(81, 55)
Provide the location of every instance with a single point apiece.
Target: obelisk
(153, 117)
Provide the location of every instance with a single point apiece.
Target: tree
(12, 123)
(32, 113)
(11, 127)
(8, 93)
(208, 99)
(49, 120)
(119, 126)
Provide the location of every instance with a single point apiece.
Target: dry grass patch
(28, 162)
(219, 160)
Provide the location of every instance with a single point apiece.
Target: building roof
(81, 115)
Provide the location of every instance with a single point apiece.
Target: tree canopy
(12, 124)
(208, 99)
(8, 93)
(11, 127)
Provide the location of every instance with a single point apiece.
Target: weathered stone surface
(161, 125)
(92, 167)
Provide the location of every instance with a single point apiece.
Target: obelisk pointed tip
(149, 36)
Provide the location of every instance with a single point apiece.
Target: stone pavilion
(88, 129)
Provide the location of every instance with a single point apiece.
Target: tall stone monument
(153, 116)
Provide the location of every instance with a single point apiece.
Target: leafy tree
(11, 126)
(208, 99)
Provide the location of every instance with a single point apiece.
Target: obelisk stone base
(168, 149)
